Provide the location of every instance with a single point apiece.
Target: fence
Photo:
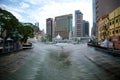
(9, 46)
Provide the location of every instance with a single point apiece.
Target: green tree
(49, 37)
(26, 30)
(8, 22)
(13, 28)
(43, 39)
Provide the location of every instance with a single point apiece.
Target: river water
(52, 62)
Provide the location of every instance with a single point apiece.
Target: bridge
(81, 38)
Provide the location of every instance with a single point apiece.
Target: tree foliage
(26, 31)
(14, 28)
(8, 22)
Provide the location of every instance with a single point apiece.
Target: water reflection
(56, 66)
(60, 57)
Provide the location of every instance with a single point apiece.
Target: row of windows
(110, 33)
(116, 31)
(116, 21)
(112, 22)
(104, 27)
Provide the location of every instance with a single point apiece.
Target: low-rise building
(109, 28)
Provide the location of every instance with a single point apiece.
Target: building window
(117, 20)
(112, 32)
(96, 2)
(116, 31)
(96, 7)
(110, 23)
(105, 26)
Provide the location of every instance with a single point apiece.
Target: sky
(39, 10)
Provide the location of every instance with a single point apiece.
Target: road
(57, 62)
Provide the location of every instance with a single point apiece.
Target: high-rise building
(74, 32)
(104, 7)
(78, 23)
(94, 28)
(63, 26)
(49, 28)
(108, 28)
(85, 28)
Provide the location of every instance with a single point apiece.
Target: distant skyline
(39, 10)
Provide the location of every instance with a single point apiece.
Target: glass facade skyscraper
(63, 25)
(78, 23)
(85, 28)
(94, 28)
(49, 28)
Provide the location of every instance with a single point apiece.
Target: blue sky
(39, 10)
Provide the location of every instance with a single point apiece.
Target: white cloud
(13, 0)
(36, 2)
(12, 8)
(54, 9)
(44, 9)
(15, 11)
(24, 5)
(18, 16)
